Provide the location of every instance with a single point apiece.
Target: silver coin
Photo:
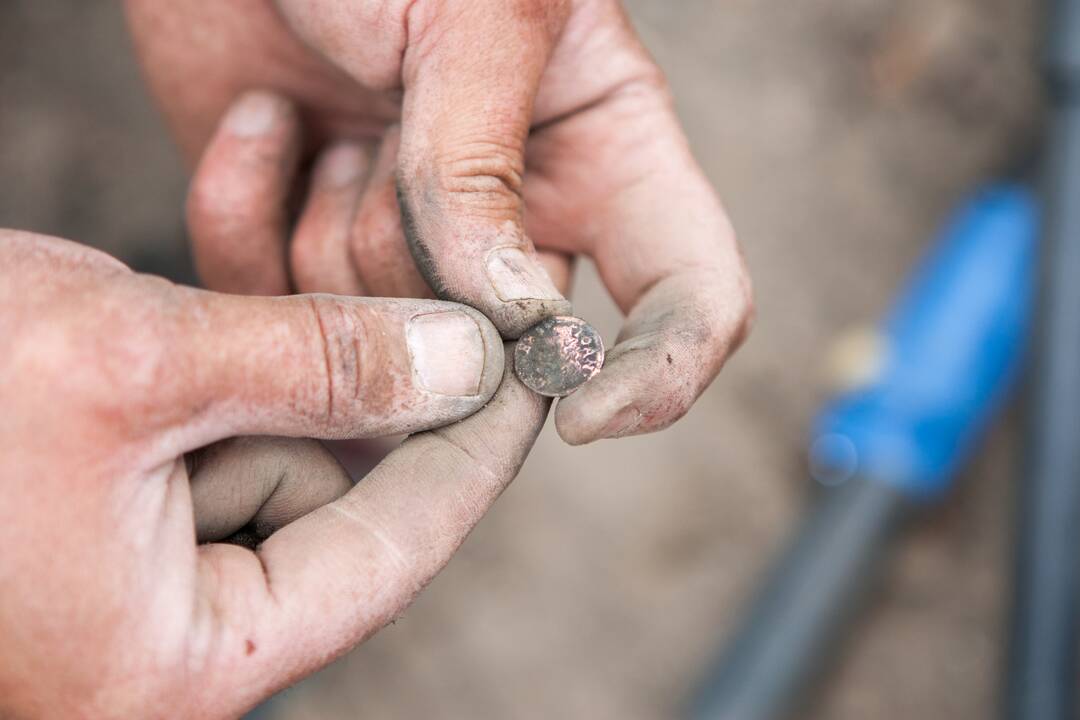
(558, 355)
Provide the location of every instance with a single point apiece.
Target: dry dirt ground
(838, 132)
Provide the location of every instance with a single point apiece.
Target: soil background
(838, 133)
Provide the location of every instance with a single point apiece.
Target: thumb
(331, 367)
(470, 78)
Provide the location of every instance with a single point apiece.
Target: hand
(518, 119)
(114, 387)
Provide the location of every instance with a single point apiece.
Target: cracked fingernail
(516, 276)
(447, 352)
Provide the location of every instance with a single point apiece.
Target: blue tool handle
(952, 345)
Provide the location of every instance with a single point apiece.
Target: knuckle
(115, 357)
(651, 78)
(484, 175)
(354, 352)
(426, 20)
(644, 88)
(333, 356)
(135, 356)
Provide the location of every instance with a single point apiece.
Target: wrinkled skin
(123, 399)
(504, 126)
(149, 431)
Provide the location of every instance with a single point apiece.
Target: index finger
(327, 581)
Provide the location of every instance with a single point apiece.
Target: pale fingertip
(256, 113)
(577, 424)
(573, 425)
(342, 165)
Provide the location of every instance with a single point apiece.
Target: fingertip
(677, 337)
(582, 421)
(638, 391)
(343, 165)
(581, 428)
(571, 429)
(235, 206)
(336, 367)
(503, 431)
(514, 318)
(524, 292)
(256, 113)
(485, 263)
(456, 352)
(494, 355)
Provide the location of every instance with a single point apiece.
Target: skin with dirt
(838, 132)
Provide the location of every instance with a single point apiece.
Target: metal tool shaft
(1041, 664)
(803, 605)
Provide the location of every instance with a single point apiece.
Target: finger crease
(488, 473)
(326, 360)
(391, 547)
(267, 580)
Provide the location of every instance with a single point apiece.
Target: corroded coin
(557, 355)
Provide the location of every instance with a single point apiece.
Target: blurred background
(838, 133)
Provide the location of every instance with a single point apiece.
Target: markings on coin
(558, 355)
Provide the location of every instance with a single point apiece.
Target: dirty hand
(114, 387)
(503, 124)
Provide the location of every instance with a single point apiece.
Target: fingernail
(624, 423)
(341, 165)
(447, 353)
(516, 276)
(255, 114)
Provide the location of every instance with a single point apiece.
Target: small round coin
(558, 355)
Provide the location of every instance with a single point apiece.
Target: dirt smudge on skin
(421, 253)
